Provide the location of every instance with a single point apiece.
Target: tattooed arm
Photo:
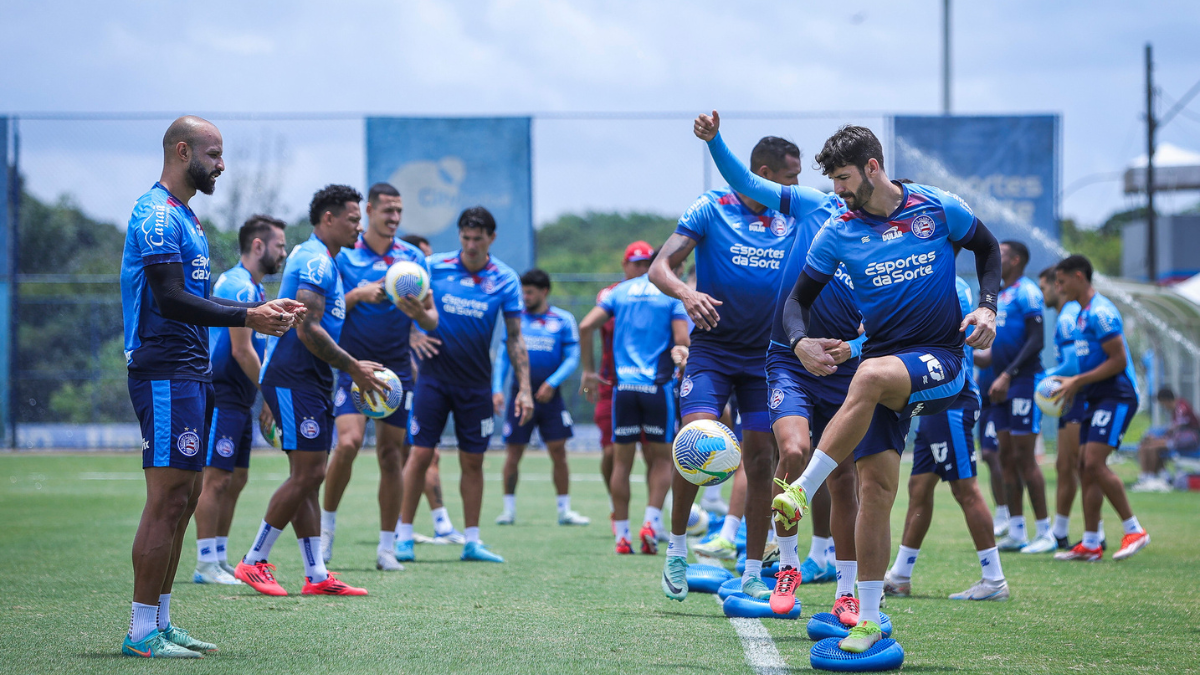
(321, 344)
(519, 358)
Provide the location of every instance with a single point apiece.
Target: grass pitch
(563, 603)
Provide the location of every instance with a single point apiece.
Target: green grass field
(563, 603)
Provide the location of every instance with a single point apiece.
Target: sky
(854, 61)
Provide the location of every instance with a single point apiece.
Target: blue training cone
(887, 654)
(743, 606)
(707, 578)
(825, 625)
(734, 585)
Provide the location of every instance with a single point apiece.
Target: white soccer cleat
(326, 545)
(1154, 484)
(213, 573)
(226, 566)
(506, 518)
(1044, 543)
(985, 590)
(999, 527)
(714, 505)
(385, 560)
(1011, 543)
(452, 537)
(896, 585)
(573, 518)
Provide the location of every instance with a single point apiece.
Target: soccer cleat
(331, 586)
(715, 505)
(573, 518)
(756, 588)
(770, 554)
(326, 545)
(452, 537)
(810, 571)
(984, 590)
(830, 573)
(506, 518)
(476, 551)
(718, 547)
(999, 527)
(649, 539)
(1080, 552)
(783, 598)
(404, 551)
(1011, 543)
(674, 577)
(1154, 484)
(226, 566)
(1044, 543)
(181, 637)
(846, 610)
(861, 637)
(385, 561)
(213, 573)
(624, 547)
(894, 584)
(790, 505)
(1132, 543)
(157, 646)
(259, 577)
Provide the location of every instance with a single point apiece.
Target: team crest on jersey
(188, 443)
(553, 325)
(686, 387)
(489, 285)
(779, 226)
(339, 399)
(380, 265)
(922, 227)
(225, 447)
(309, 428)
(776, 398)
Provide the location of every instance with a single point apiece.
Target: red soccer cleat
(331, 586)
(783, 598)
(259, 577)
(649, 539)
(1081, 552)
(846, 610)
(624, 547)
(1132, 543)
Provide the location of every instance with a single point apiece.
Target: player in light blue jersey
(166, 305)
(296, 380)
(473, 290)
(552, 341)
(376, 329)
(236, 361)
(1106, 381)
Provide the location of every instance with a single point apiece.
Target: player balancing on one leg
(552, 341)
(236, 361)
(896, 242)
(945, 450)
(1106, 382)
(376, 329)
(165, 311)
(648, 323)
(473, 289)
(296, 380)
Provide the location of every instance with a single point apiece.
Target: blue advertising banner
(444, 165)
(1005, 167)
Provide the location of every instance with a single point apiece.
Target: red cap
(638, 250)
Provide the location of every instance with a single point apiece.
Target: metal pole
(945, 57)
(1151, 235)
(14, 259)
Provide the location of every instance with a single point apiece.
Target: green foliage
(1102, 245)
(595, 242)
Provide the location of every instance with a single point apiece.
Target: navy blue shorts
(432, 405)
(231, 432)
(1106, 420)
(174, 416)
(795, 392)
(1018, 415)
(1075, 414)
(342, 405)
(713, 374)
(988, 442)
(304, 417)
(945, 444)
(551, 418)
(644, 412)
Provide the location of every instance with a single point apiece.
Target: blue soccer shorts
(435, 401)
(231, 433)
(551, 419)
(174, 417)
(945, 443)
(714, 374)
(304, 417)
(644, 412)
(1018, 415)
(1106, 420)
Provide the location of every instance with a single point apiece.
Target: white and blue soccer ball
(378, 406)
(697, 522)
(706, 453)
(406, 278)
(1044, 395)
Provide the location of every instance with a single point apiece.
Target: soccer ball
(697, 522)
(375, 406)
(1047, 389)
(706, 452)
(404, 279)
(273, 435)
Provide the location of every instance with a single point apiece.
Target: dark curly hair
(850, 145)
(477, 217)
(331, 198)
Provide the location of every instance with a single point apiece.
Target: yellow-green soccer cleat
(157, 646)
(861, 637)
(790, 505)
(181, 637)
(718, 547)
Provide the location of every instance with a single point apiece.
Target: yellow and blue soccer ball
(378, 406)
(697, 522)
(406, 278)
(706, 452)
(1044, 395)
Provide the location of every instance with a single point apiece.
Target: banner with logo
(444, 165)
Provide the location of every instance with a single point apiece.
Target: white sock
(1091, 540)
(622, 530)
(206, 550)
(789, 556)
(654, 517)
(1043, 526)
(830, 550)
(771, 536)
(564, 504)
(472, 534)
(847, 570)
(1016, 528)
(442, 525)
(870, 593)
(1002, 514)
(510, 504)
(712, 492)
(730, 527)
(314, 562)
(404, 532)
(142, 621)
(906, 558)
(816, 550)
(263, 541)
(328, 520)
(1132, 526)
(819, 468)
(1100, 530)
(164, 611)
(222, 545)
(387, 540)
(989, 560)
(1061, 524)
(753, 570)
(677, 545)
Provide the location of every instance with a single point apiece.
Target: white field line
(759, 647)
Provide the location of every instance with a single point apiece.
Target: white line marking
(759, 647)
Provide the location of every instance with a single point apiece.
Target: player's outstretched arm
(241, 347)
(701, 307)
(812, 352)
(519, 357)
(737, 174)
(987, 265)
(167, 285)
(322, 345)
(1069, 365)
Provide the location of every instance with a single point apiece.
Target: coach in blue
(472, 289)
(166, 305)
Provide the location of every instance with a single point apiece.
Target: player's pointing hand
(984, 321)
(706, 127)
(813, 356)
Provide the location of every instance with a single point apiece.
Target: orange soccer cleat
(649, 539)
(846, 610)
(1132, 543)
(331, 586)
(624, 547)
(783, 598)
(259, 577)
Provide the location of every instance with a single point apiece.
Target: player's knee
(795, 450)
(348, 445)
(965, 492)
(389, 460)
(218, 482)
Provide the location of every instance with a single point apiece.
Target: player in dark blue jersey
(297, 376)
(166, 307)
(473, 290)
(375, 329)
(236, 360)
(552, 342)
(989, 447)
(1106, 382)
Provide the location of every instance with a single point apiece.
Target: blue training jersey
(233, 387)
(1096, 324)
(1065, 332)
(1014, 306)
(288, 362)
(552, 341)
(468, 305)
(740, 258)
(162, 230)
(377, 331)
(965, 303)
(643, 335)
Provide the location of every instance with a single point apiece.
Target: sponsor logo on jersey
(316, 269)
(188, 443)
(380, 265)
(750, 256)
(923, 227)
(225, 447)
(776, 398)
(452, 304)
(200, 273)
(686, 387)
(892, 233)
(900, 270)
(309, 428)
(339, 308)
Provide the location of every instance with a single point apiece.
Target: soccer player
(1106, 382)
(896, 243)
(989, 447)
(1181, 437)
(166, 305)
(552, 341)
(945, 450)
(236, 360)
(472, 290)
(375, 328)
(1017, 364)
(297, 377)
(650, 339)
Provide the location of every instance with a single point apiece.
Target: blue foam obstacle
(743, 606)
(767, 570)
(887, 654)
(707, 578)
(734, 585)
(825, 625)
